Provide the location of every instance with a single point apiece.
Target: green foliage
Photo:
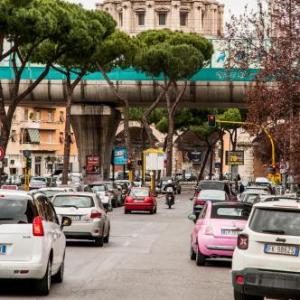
(117, 50)
(176, 55)
(135, 113)
(162, 125)
(231, 114)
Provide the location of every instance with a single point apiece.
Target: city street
(147, 257)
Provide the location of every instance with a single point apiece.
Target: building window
(50, 115)
(50, 137)
(13, 136)
(183, 18)
(162, 19)
(61, 116)
(120, 19)
(141, 18)
(26, 114)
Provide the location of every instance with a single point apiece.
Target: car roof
(280, 202)
(76, 194)
(59, 188)
(213, 191)
(140, 188)
(16, 193)
(229, 203)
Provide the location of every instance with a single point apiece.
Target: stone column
(174, 15)
(197, 16)
(127, 17)
(95, 127)
(149, 15)
(221, 20)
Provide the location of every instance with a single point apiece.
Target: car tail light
(95, 214)
(148, 200)
(37, 226)
(199, 202)
(243, 241)
(129, 199)
(240, 279)
(209, 230)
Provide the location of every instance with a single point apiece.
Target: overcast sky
(233, 6)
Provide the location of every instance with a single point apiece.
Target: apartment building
(41, 131)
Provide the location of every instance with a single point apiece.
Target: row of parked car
(260, 231)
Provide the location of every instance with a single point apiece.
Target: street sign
(2, 153)
(27, 153)
(234, 158)
(194, 156)
(92, 164)
(120, 156)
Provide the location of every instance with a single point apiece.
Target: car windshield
(38, 179)
(75, 179)
(98, 188)
(109, 186)
(237, 212)
(73, 201)
(139, 193)
(212, 195)
(275, 221)
(16, 211)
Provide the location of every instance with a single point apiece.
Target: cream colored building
(204, 17)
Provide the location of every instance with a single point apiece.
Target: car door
(198, 226)
(104, 218)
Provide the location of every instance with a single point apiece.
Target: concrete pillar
(95, 127)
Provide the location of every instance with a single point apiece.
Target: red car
(140, 199)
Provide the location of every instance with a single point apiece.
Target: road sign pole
(26, 183)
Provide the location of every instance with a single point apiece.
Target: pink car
(216, 230)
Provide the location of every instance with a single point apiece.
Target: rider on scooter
(170, 188)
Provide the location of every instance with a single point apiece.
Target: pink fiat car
(216, 230)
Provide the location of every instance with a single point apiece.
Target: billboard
(120, 156)
(92, 164)
(234, 158)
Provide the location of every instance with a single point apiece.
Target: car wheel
(151, 211)
(179, 192)
(99, 241)
(106, 238)
(127, 211)
(192, 254)
(59, 276)
(241, 296)
(155, 210)
(43, 285)
(200, 258)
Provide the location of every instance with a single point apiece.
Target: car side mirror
(192, 217)
(65, 221)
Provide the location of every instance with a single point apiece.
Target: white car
(89, 218)
(266, 262)
(32, 244)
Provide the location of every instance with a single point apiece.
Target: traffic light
(129, 164)
(211, 120)
(28, 162)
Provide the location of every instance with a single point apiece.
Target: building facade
(204, 17)
(41, 131)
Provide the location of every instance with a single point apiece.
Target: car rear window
(212, 185)
(51, 193)
(213, 195)
(275, 221)
(139, 193)
(231, 212)
(16, 211)
(98, 188)
(38, 179)
(73, 201)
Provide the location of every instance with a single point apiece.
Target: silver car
(89, 218)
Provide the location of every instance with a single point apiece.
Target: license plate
(2, 249)
(282, 249)
(231, 232)
(75, 218)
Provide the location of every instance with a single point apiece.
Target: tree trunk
(169, 148)
(211, 164)
(67, 140)
(127, 131)
(148, 131)
(222, 156)
(200, 176)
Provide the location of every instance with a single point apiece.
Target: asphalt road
(147, 258)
